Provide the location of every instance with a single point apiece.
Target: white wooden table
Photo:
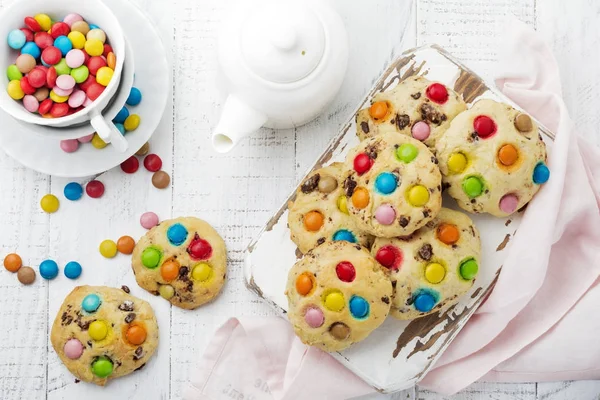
(238, 192)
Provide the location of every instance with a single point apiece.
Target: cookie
(183, 259)
(393, 185)
(416, 107)
(432, 267)
(102, 333)
(493, 159)
(337, 295)
(320, 213)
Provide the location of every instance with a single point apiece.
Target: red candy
(32, 24)
(51, 76)
(389, 256)
(130, 165)
(484, 126)
(345, 271)
(87, 83)
(51, 55)
(37, 77)
(94, 189)
(43, 40)
(45, 106)
(59, 29)
(107, 49)
(437, 93)
(94, 91)
(362, 163)
(199, 249)
(59, 110)
(95, 63)
(28, 34)
(152, 163)
(26, 86)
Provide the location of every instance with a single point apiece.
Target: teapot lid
(282, 41)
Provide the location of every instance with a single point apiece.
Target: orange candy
(169, 270)
(448, 233)
(360, 198)
(508, 154)
(13, 262)
(313, 221)
(304, 284)
(111, 60)
(378, 110)
(125, 244)
(136, 334)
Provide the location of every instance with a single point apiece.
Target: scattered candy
(472, 186)
(13, 262)
(26, 275)
(484, 126)
(69, 145)
(149, 220)
(86, 139)
(437, 93)
(48, 269)
(120, 128)
(469, 269)
(509, 203)
(344, 235)
(91, 303)
(418, 196)
(97, 142)
(122, 115)
(94, 189)
(457, 163)
(143, 150)
(108, 248)
(339, 331)
(125, 244)
(304, 284)
(49, 203)
(345, 271)
(386, 183)
(359, 307)
(314, 317)
(378, 110)
(202, 272)
(130, 165)
(161, 180)
(98, 330)
(72, 270)
(152, 162)
(334, 300)
(135, 97)
(73, 191)
(136, 335)
(435, 273)
(407, 152)
(541, 174)
(313, 221)
(448, 233)
(102, 367)
(385, 214)
(132, 122)
(73, 349)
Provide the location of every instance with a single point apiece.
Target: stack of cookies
(375, 237)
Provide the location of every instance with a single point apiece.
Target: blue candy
(92, 26)
(359, 307)
(177, 234)
(541, 174)
(386, 183)
(64, 44)
(121, 116)
(72, 270)
(121, 128)
(424, 302)
(135, 97)
(344, 234)
(91, 303)
(32, 49)
(48, 269)
(16, 39)
(73, 191)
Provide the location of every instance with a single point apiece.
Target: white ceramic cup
(94, 12)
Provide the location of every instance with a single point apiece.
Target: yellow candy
(334, 301)
(49, 203)
(77, 39)
(14, 90)
(202, 272)
(457, 163)
(98, 330)
(58, 99)
(97, 34)
(108, 248)
(104, 75)
(97, 142)
(418, 196)
(435, 273)
(94, 47)
(342, 204)
(132, 122)
(44, 21)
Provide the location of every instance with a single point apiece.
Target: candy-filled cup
(93, 11)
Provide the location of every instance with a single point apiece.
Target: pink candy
(65, 82)
(73, 349)
(72, 18)
(30, 103)
(75, 58)
(314, 317)
(508, 203)
(62, 92)
(420, 130)
(86, 139)
(77, 99)
(149, 220)
(385, 214)
(69, 145)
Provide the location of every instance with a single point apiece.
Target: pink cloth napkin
(540, 321)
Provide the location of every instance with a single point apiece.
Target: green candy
(13, 73)
(407, 152)
(102, 367)
(62, 68)
(469, 269)
(472, 186)
(80, 74)
(151, 257)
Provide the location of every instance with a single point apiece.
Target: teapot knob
(284, 37)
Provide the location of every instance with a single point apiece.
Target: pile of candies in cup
(62, 66)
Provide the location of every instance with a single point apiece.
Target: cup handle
(109, 132)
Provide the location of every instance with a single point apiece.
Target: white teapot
(283, 61)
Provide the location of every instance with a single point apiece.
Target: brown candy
(26, 275)
(523, 123)
(160, 179)
(340, 331)
(327, 184)
(143, 150)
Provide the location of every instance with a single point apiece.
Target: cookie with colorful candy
(393, 185)
(337, 295)
(416, 107)
(183, 260)
(432, 267)
(493, 159)
(102, 333)
(320, 211)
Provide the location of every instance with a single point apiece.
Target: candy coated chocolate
(359, 307)
(345, 271)
(389, 256)
(73, 349)
(344, 234)
(202, 272)
(149, 220)
(362, 163)
(91, 303)
(472, 186)
(166, 291)
(484, 126)
(199, 249)
(69, 145)
(13, 262)
(418, 196)
(177, 234)
(135, 97)
(523, 123)
(108, 248)
(130, 165)
(143, 150)
(151, 257)
(508, 203)
(420, 130)
(340, 331)
(334, 301)
(407, 152)
(541, 174)
(424, 302)
(314, 317)
(385, 214)
(102, 367)
(48, 269)
(160, 179)
(469, 269)
(327, 184)
(72, 270)
(386, 183)
(94, 189)
(437, 93)
(49, 203)
(152, 162)
(435, 273)
(26, 275)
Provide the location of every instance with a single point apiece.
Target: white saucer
(152, 76)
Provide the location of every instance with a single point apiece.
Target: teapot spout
(238, 120)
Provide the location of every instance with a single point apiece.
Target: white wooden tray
(399, 353)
